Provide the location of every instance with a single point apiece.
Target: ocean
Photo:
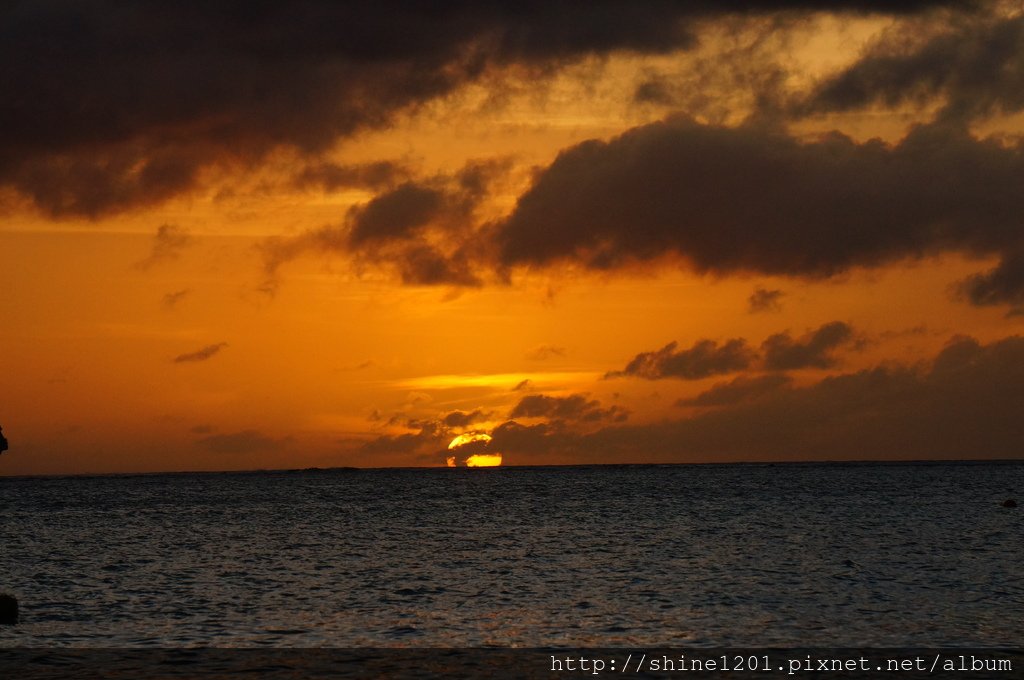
(839, 555)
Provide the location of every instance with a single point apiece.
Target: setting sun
(469, 438)
(474, 449)
(484, 460)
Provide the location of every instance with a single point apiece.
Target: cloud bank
(754, 199)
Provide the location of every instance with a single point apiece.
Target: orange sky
(194, 280)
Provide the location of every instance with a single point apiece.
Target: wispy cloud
(200, 355)
(764, 300)
(543, 352)
(171, 300)
(168, 242)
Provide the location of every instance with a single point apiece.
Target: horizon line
(352, 468)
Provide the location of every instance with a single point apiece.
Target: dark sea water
(715, 555)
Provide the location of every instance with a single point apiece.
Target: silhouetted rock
(1009, 503)
(8, 609)
(3, 441)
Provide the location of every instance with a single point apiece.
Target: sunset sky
(282, 235)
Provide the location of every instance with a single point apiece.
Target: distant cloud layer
(963, 403)
(739, 389)
(966, 403)
(332, 176)
(246, 441)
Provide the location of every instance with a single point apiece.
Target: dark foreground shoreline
(845, 663)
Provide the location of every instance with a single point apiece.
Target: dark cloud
(424, 265)
(973, 64)
(653, 90)
(1002, 285)
(111, 105)
(965, 405)
(395, 419)
(463, 451)
(920, 329)
(444, 202)
(332, 176)
(812, 350)
(429, 437)
(705, 358)
(753, 199)
(200, 355)
(168, 242)
(763, 300)
(523, 386)
(739, 389)
(575, 407)
(463, 419)
(90, 181)
(395, 214)
(394, 229)
(778, 352)
(533, 441)
(246, 441)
